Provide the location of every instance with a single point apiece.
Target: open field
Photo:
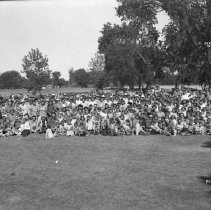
(105, 173)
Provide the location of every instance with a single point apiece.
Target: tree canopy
(135, 53)
(36, 68)
(11, 80)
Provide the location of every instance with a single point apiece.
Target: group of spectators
(113, 113)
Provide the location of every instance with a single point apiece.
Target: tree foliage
(135, 55)
(80, 77)
(96, 68)
(97, 63)
(36, 68)
(11, 80)
(56, 78)
(131, 47)
(57, 81)
(186, 39)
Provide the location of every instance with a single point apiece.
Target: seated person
(42, 125)
(16, 127)
(127, 127)
(69, 128)
(24, 127)
(154, 128)
(61, 128)
(179, 126)
(199, 128)
(33, 124)
(49, 133)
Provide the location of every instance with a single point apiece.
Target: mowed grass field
(105, 173)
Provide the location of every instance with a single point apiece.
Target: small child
(127, 127)
(179, 126)
(114, 130)
(61, 129)
(208, 126)
(139, 129)
(191, 126)
(105, 128)
(49, 134)
(2, 131)
(16, 127)
(69, 128)
(199, 128)
(42, 125)
(173, 124)
(96, 125)
(82, 129)
(89, 124)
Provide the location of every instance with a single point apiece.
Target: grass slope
(104, 173)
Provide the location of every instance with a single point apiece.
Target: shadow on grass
(206, 180)
(207, 144)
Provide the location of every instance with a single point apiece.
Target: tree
(97, 63)
(11, 79)
(63, 82)
(81, 77)
(187, 39)
(135, 39)
(36, 68)
(133, 51)
(71, 76)
(56, 78)
(96, 68)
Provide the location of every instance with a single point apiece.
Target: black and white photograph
(105, 105)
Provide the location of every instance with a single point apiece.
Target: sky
(66, 31)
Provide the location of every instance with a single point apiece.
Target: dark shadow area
(207, 144)
(206, 180)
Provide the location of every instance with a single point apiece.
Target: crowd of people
(113, 113)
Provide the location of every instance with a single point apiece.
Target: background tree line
(38, 75)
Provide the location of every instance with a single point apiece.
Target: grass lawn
(104, 173)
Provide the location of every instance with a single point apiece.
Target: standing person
(50, 109)
(42, 125)
(29, 109)
(89, 124)
(34, 109)
(52, 121)
(42, 110)
(173, 124)
(12, 117)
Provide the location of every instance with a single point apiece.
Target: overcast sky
(66, 31)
